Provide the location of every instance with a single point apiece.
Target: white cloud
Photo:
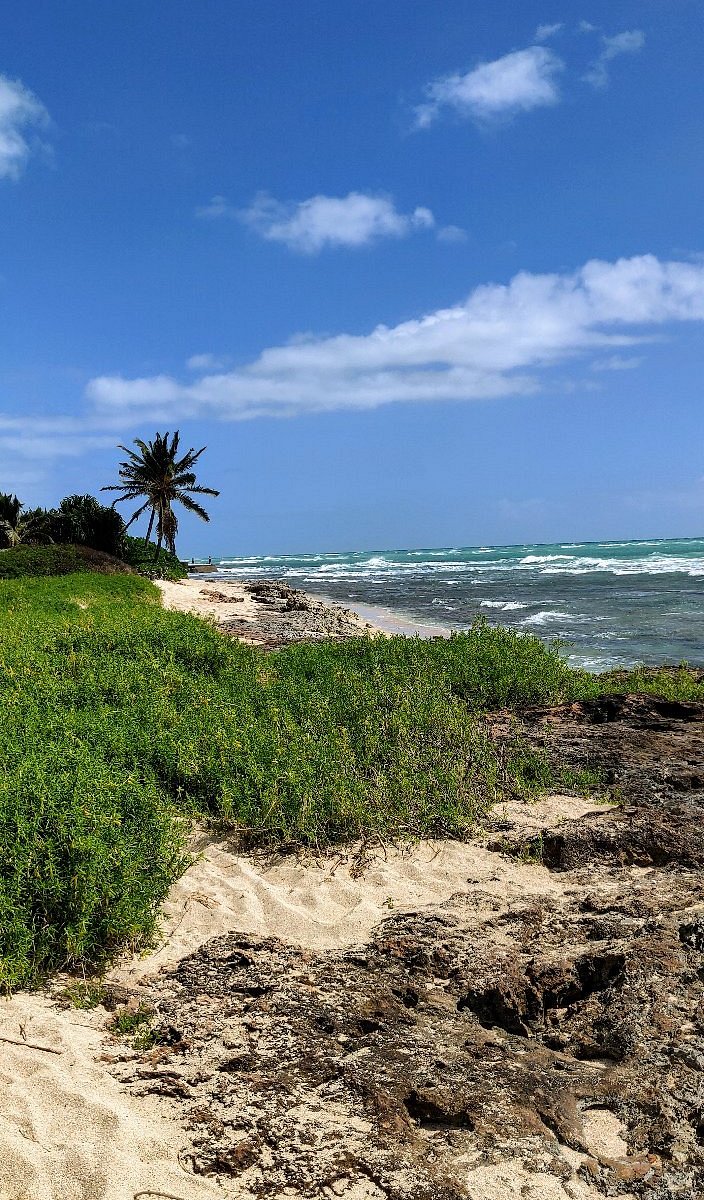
(218, 206)
(631, 41)
(518, 82)
(20, 110)
(618, 362)
(323, 221)
(206, 362)
(44, 438)
(452, 234)
(497, 342)
(543, 32)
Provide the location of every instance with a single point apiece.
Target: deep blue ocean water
(615, 603)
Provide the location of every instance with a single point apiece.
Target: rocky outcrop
(287, 615)
(483, 1048)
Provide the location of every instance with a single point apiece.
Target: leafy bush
(84, 521)
(121, 718)
(140, 555)
(22, 526)
(682, 683)
(488, 667)
(24, 561)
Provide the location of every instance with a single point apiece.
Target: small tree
(84, 521)
(21, 526)
(157, 476)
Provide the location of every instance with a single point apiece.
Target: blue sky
(418, 273)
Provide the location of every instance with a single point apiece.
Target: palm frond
(155, 474)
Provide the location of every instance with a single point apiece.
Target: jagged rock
(292, 616)
(483, 1047)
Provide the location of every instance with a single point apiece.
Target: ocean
(613, 603)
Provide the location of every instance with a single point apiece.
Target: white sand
(203, 597)
(67, 1129)
(220, 600)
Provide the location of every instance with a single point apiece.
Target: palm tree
(20, 526)
(160, 478)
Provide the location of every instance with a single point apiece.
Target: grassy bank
(24, 562)
(123, 722)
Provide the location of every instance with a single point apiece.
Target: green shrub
(84, 521)
(682, 683)
(121, 719)
(140, 555)
(27, 561)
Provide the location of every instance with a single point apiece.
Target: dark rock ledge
(557, 1046)
(288, 615)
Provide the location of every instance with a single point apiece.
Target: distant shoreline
(611, 604)
(385, 619)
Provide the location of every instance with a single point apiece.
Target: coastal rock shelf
(268, 613)
(498, 1044)
(287, 615)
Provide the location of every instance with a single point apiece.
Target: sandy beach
(69, 1129)
(234, 604)
(452, 1020)
(265, 613)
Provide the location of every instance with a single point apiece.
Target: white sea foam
(590, 662)
(544, 618)
(652, 564)
(504, 605)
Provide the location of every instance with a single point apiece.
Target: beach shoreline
(271, 613)
(381, 993)
(198, 594)
(612, 605)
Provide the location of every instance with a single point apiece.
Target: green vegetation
(140, 555)
(682, 683)
(156, 475)
(123, 722)
(122, 719)
(26, 561)
(157, 478)
(84, 521)
(129, 1020)
(20, 526)
(85, 993)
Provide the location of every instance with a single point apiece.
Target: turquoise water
(616, 603)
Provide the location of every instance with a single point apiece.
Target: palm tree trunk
(158, 548)
(149, 529)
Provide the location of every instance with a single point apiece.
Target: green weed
(122, 722)
(128, 1020)
(85, 994)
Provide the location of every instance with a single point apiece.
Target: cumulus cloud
(452, 234)
(518, 82)
(498, 342)
(206, 362)
(628, 42)
(20, 111)
(325, 221)
(217, 207)
(543, 32)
